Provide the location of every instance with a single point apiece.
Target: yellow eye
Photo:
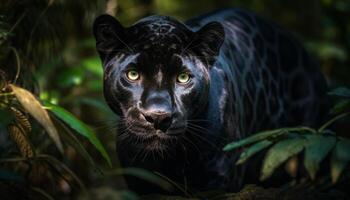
(133, 75)
(183, 77)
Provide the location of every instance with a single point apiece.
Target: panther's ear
(208, 41)
(109, 35)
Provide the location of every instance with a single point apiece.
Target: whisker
(193, 133)
(198, 120)
(205, 130)
(191, 143)
(136, 155)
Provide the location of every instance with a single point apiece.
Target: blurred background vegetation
(46, 47)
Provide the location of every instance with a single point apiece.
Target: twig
(18, 61)
(324, 126)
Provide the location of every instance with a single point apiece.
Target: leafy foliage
(340, 159)
(18, 99)
(316, 145)
(288, 142)
(255, 148)
(279, 153)
(343, 104)
(32, 106)
(317, 149)
(80, 127)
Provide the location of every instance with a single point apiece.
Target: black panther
(184, 90)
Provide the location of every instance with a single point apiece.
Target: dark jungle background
(46, 47)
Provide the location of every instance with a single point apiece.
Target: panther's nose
(156, 107)
(160, 120)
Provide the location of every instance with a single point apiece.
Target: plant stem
(6, 94)
(324, 126)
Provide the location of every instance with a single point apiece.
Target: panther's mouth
(146, 137)
(150, 132)
(151, 141)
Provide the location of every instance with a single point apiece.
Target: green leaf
(252, 150)
(340, 158)
(340, 92)
(327, 50)
(70, 77)
(316, 150)
(33, 106)
(6, 116)
(95, 85)
(254, 138)
(100, 105)
(73, 141)
(341, 106)
(264, 135)
(87, 43)
(279, 153)
(80, 127)
(94, 65)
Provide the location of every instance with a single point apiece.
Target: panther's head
(156, 74)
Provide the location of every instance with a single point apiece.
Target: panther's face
(156, 75)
